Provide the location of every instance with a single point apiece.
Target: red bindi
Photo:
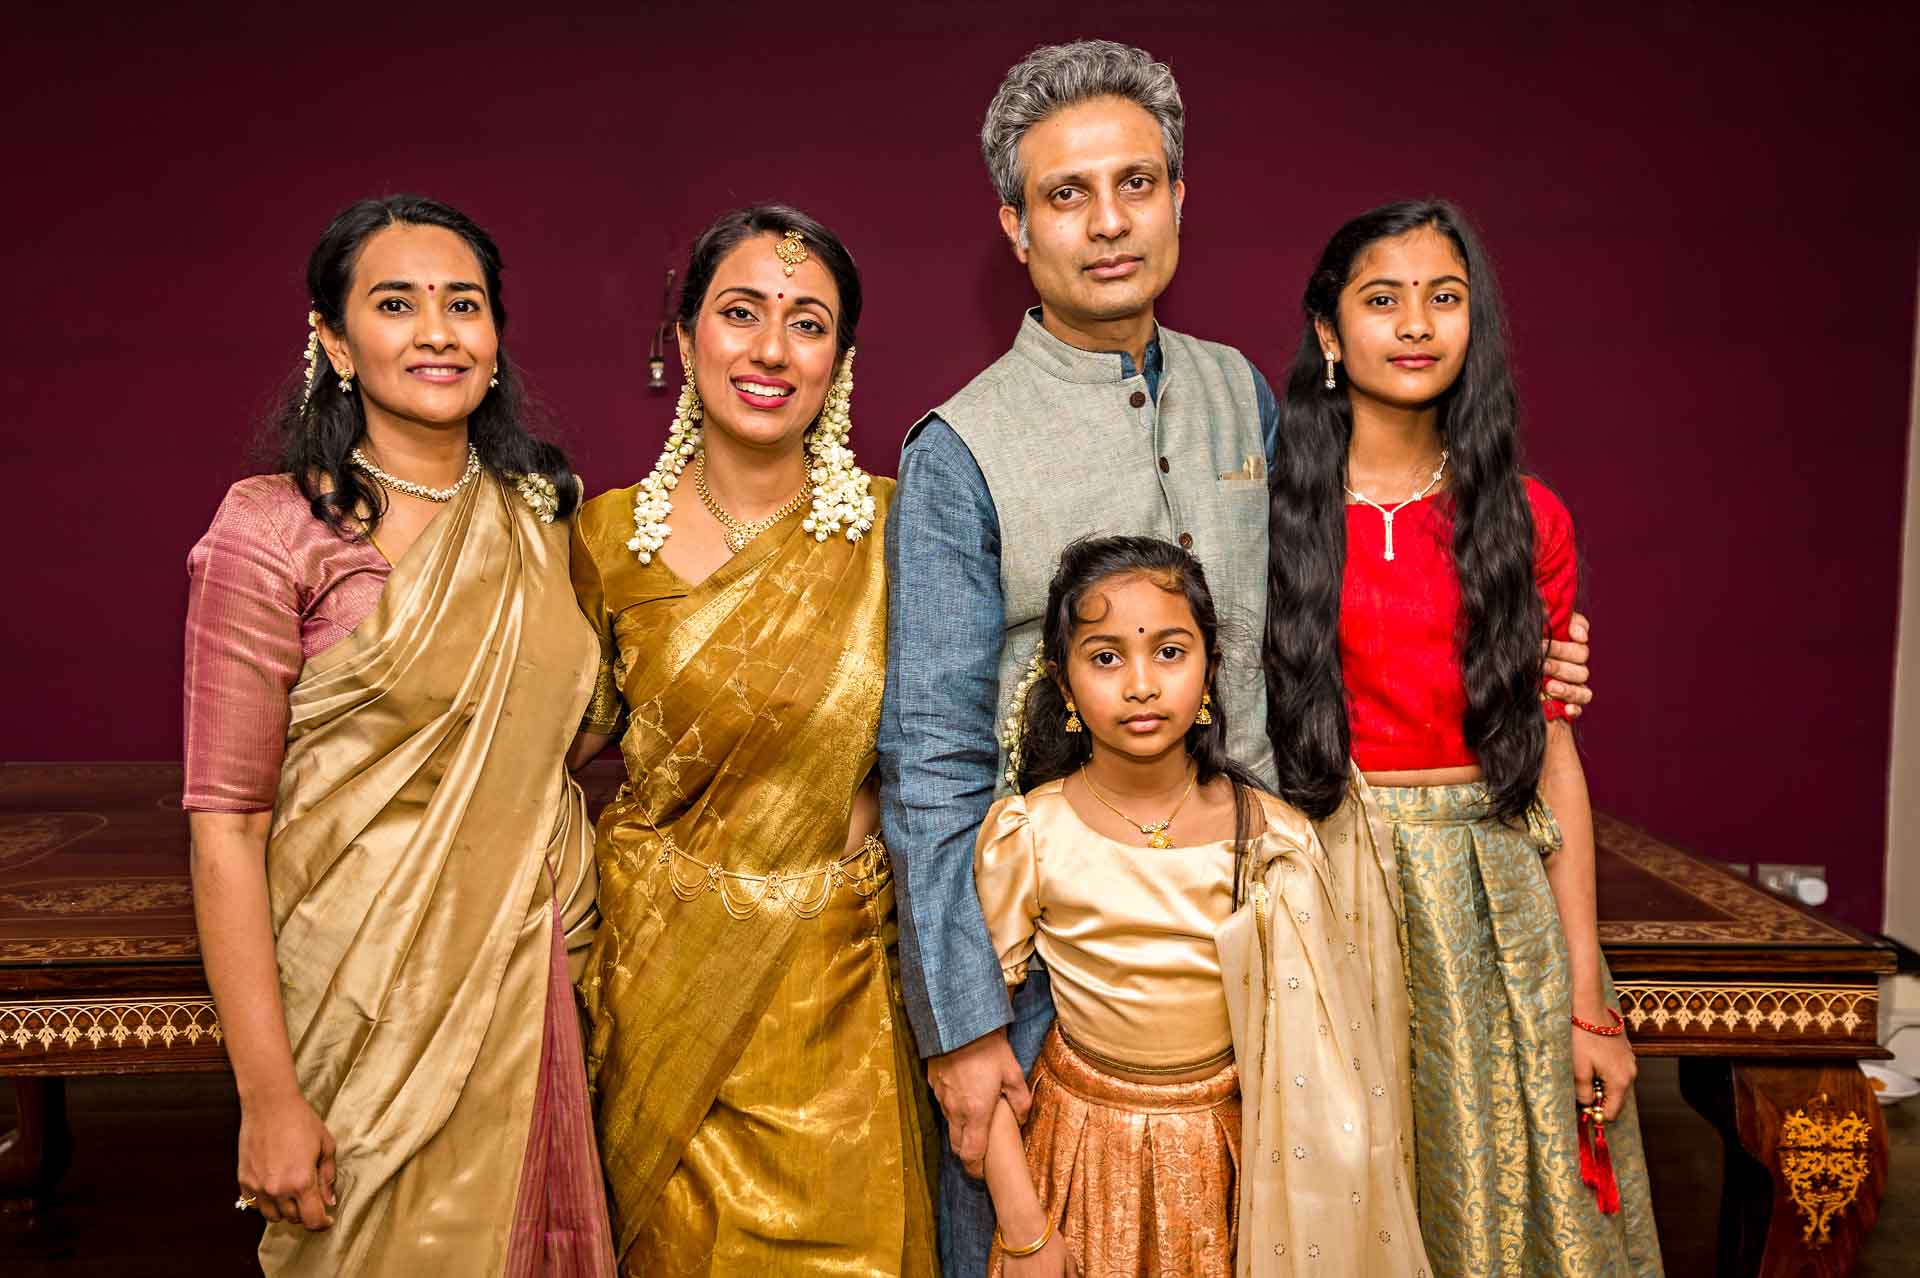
(781, 296)
(429, 288)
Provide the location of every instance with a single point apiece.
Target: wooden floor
(151, 1188)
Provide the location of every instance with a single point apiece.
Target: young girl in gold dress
(1221, 1074)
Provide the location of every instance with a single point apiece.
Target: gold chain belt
(865, 870)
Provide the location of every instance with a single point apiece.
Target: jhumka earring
(1073, 718)
(495, 379)
(346, 382)
(1330, 383)
(1205, 716)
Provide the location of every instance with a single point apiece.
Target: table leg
(35, 1154)
(1806, 1163)
(1746, 1190)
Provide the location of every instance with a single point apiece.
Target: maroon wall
(1706, 229)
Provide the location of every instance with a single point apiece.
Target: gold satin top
(1127, 932)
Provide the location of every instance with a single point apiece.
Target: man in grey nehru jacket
(1097, 421)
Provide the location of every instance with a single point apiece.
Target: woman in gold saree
(757, 1097)
(389, 860)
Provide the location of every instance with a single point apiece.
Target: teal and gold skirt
(1496, 1143)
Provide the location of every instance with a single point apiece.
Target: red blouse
(1398, 637)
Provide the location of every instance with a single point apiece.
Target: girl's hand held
(1055, 1260)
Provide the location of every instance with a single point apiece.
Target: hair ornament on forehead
(791, 250)
(313, 355)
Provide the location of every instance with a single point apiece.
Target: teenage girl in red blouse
(1415, 571)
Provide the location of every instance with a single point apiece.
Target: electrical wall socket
(1804, 883)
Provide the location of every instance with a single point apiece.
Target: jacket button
(1164, 467)
(1186, 541)
(1138, 399)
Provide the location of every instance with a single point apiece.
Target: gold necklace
(1157, 832)
(740, 533)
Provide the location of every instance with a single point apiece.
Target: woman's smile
(763, 392)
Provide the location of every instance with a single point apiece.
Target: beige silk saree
(423, 833)
(756, 1090)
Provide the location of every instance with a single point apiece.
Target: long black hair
(735, 226)
(1047, 750)
(317, 431)
(1502, 617)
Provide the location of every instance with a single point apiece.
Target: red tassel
(1596, 1164)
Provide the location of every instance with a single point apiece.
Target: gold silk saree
(423, 832)
(757, 1094)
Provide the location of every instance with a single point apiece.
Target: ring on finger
(245, 1200)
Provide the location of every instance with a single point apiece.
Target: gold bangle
(1017, 1252)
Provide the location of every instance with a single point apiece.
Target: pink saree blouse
(269, 587)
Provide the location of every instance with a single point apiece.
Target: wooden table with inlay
(1770, 1008)
(1768, 1005)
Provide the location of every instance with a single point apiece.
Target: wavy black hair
(1502, 617)
(317, 432)
(1047, 750)
(735, 226)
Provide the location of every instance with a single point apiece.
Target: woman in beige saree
(758, 1099)
(389, 861)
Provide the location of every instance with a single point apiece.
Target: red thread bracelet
(1619, 1025)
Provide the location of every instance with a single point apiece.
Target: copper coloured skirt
(1139, 1178)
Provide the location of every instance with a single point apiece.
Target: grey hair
(1061, 75)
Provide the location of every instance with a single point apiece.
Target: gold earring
(495, 379)
(346, 382)
(1073, 718)
(1205, 716)
(1331, 383)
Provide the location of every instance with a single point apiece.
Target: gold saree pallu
(756, 1094)
(423, 831)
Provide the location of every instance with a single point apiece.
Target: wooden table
(1769, 1005)
(99, 967)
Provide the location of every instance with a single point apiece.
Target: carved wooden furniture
(1768, 1005)
(99, 967)
(1770, 1008)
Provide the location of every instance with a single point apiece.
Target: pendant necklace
(1157, 832)
(1388, 514)
(739, 533)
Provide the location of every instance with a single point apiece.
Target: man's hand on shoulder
(1566, 668)
(968, 1082)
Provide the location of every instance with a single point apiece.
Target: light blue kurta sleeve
(938, 743)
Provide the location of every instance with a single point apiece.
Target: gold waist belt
(864, 871)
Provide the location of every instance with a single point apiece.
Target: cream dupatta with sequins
(1318, 1000)
(423, 828)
